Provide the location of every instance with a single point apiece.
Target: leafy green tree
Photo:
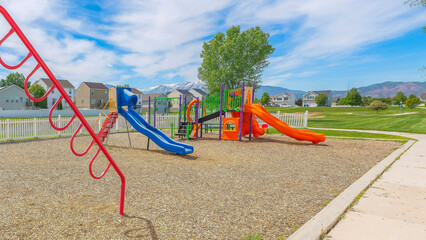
(378, 105)
(399, 97)
(266, 99)
(321, 99)
(299, 102)
(353, 97)
(366, 100)
(387, 100)
(256, 100)
(415, 3)
(342, 101)
(234, 57)
(412, 102)
(412, 96)
(14, 78)
(38, 91)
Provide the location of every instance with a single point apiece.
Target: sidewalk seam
(324, 221)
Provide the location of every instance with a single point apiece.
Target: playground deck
(224, 190)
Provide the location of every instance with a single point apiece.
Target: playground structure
(239, 103)
(125, 99)
(97, 139)
(243, 120)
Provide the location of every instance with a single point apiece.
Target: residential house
(14, 98)
(138, 107)
(176, 93)
(46, 83)
(309, 98)
(283, 100)
(335, 101)
(423, 97)
(162, 107)
(91, 95)
(198, 93)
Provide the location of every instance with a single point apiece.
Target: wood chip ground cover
(224, 190)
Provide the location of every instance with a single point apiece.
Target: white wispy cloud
(163, 39)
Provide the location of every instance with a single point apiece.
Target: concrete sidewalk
(394, 207)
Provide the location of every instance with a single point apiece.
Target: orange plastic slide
(301, 135)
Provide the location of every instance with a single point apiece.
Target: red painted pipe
(42, 64)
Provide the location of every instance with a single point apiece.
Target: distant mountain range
(388, 89)
(378, 90)
(164, 88)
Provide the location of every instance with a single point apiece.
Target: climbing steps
(183, 128)
(41, 66)
(107, 126)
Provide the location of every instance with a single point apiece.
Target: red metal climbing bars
(41, 64)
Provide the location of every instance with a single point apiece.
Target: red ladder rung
(50, 117)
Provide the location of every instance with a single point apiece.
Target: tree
(342, 101)
(353, 97)
(366, 100)
(415, 3)
(265, 100)
(378, 105)
(234, 57)
(14, 78)
(299, 102)
(412, 96)
(256, 100)
(38, 91)
(412, 102)
(399, 97)
(321, 99)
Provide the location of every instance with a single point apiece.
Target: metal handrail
(102, 112)
(41, 64)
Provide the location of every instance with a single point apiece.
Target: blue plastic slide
(157, 136)
(126, 98)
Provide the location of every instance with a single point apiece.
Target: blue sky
(320, 44)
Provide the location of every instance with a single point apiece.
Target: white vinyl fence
(16, 129)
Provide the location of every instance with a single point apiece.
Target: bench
(211, 126)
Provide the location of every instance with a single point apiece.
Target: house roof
(423, 95)
(95, 85)
(276, 95)
(13, 85)
(326, 92)
(152, 95)
(134, 90)
(49, 83)
(184, 92)
(200, 91)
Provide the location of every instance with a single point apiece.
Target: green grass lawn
(336, 133)
(363, 118)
